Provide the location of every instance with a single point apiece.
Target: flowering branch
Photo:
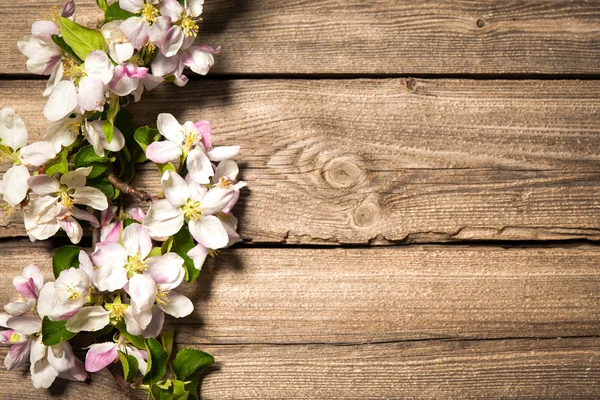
(128, 189)
(124, 288)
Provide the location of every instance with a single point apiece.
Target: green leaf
(65, 257)
(190, 361)
(115, 12)
(109, 130)
(97, 170)
(60, 42)
(166, 339)
(105, 187)
(179, 391)
(166, 167)
(81, 39)
(102, 4)
(54, 332)
(87, 156)
(155, 252)
(145, 136)
(60, 165)
(182, 243)
(137, 341)
(130, 366)
(129, 221)
(167, 245)
(159, 393)
(124, 121)
(102, 332)
(109, 125)
(157, 362)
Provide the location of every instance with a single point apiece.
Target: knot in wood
(366, 214)
(343, 173)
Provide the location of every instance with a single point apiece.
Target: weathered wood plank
(370, 161)
(381, 37)
(343, 296)
(507, 369)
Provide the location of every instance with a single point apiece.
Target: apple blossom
(119, 48)
(64, 132)
(85, 88)
(28, 285)
(132, 79)
(94, 133)
(147, 25)
(185, 28)
(13, 146)
(55, 208)
(102, 355)
(187, 201)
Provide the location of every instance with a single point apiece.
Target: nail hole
(480, 23)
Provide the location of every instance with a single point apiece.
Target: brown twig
(130, 190)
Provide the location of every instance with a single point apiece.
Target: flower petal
(133, 6)
(175, 188)
(83, 215)
(13, 132)
(88, 319)
(91, 197)
(166, 270)
(199, 166)
(198, 255)
(177, 305)
(42, 374)
(163, 152)
(62, 101)
(98, 65)
(171, 9)
(223, 153)
(91, 94)
(209, 232)
(172, 41)
(227, 169)
(198, 60)
(163, 219)
(61, 357)
(136, 241)
(43, 185)
(37, 154)
(142, 290)
(76, 179)
(136, 31)
(17, 356)
(169, 127)
(216, 200)
(15, 184)
(25, 325)
(100, 356)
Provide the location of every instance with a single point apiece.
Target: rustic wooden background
(424, 198)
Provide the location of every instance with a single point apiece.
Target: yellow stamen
(71, 69)
(224, 183)
(8, 210)
(149, 13)
(15, 337)
(192, 210)
(66, 200)
(118, 311)
(189, 26)
(136, 265)
(162, 297)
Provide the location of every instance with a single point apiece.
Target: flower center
(192, 210)
(66, 200)
(71, 69)
(162, 297)
(8, 210)
(191, 139)
(136, 265)
(149, 13)
(118, 311)
(73, 293)
(189, 26)
(15, 337)
(224, 183)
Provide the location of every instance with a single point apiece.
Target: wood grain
(379, 161)
(372, 37)
(506, 369)
(353, 296)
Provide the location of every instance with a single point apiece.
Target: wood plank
(375, 37)
(374, 161)
(506, 369)
(349, 296)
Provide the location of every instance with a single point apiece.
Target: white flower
(187, 201)
(119, 48)
(44, 56)
(198, 58)
(102, 355)
(66, 299)
(56, 209)
(132, 79)
(184, 30)
(85, 89)
(199, 253)
(46, 363)
(28, 285)
(13, 146)
(149, 25)
(94, 133)
(190, 141)
(64, 132)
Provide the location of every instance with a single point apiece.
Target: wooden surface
(374, 161)
(394, 321)
(373, 37)
(386, 122)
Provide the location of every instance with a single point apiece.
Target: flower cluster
(121, 291)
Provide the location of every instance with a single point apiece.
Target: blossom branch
(130, 190)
